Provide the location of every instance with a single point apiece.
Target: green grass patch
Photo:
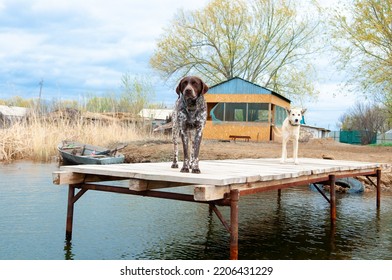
(387, 144)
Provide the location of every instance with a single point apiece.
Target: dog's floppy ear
(204, 87)
(303, 111)
(179, 89)
(288, 111)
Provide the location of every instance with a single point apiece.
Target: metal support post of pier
(378, 188)
(332, 198)
(72, 198)
(70, 212)
(234, 197)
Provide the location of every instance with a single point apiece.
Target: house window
(235, 112)
(240, 112)
(258, 112)
(280, 115)
(218, 112)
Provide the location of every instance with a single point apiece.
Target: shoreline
(159, 149)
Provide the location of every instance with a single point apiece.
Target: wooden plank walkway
(221, 182)
(215, 174)
(224, 172)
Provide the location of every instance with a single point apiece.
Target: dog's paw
(185, 170)
(174, 165)
(196, 170)
(296, 162)
(282, 161)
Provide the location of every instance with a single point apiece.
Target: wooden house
(240, 109)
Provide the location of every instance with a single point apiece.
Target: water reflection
(68, 250)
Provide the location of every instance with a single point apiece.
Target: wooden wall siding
(257, 131)
(278, 101)
(240, 98)
(238, 90)
(222, 131)
(246, 98)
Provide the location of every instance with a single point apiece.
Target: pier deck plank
(221, 182)
(216, 174)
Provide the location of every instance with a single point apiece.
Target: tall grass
(38, 139)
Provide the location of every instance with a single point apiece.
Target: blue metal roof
(238, 85)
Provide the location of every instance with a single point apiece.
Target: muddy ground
(161, 150)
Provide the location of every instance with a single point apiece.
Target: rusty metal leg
(234, 197)
(378, 187)
(279, 197)
(332, 198)
(70, 211)
(220, 217)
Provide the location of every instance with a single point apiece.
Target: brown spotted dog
(189, 118)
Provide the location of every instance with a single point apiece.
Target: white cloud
(333, 101)
(79, 47)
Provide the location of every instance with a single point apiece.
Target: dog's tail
(163, 127)
(277, 133)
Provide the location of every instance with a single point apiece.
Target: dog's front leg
(175, 147)
(191, 137)
(196, 150)
(284, 150)
(295, 150)
(185, 145)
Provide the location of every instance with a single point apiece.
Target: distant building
(315, 132)
(11, 114)
(156, 116)
(238, 107)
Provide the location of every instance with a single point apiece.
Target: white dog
(290, 131)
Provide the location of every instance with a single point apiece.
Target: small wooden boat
(72, 153)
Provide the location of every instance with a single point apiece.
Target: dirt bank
(155, 151)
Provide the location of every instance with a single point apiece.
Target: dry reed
(37, 139)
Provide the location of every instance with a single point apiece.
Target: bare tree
(362, 33)
(136, 94)
(264, 41)
(367, 118)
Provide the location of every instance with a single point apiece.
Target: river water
(116, 227)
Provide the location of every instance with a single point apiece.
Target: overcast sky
(84, 47)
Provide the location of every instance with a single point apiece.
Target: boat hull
(73, 153)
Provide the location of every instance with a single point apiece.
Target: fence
(357, 137)
(384, 138)
(334, 135)
(354, 137)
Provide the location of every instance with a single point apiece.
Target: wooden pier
(221, 183)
